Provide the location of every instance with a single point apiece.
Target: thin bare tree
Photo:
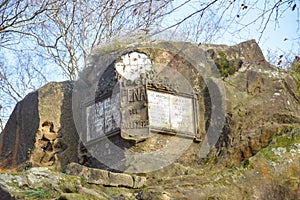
(61, 33)
(69, 30)
(208, 20)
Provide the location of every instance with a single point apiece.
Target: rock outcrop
(262, 101)
(41, 131)
(257, 155)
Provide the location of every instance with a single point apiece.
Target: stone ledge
(104, 177)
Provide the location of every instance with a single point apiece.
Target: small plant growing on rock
(296, 64)
(282, 143)
(28, 152)
(294, 71)
(26, 166)
(225, 66)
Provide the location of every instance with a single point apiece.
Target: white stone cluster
(280, 151)
(271, 73)
(133, 64)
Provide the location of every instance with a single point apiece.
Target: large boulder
(260, 135)
(41, 131)
(260, 101)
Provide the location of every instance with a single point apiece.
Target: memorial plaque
(159, 109)
(182, 114)
(103, 117)
(116, 112)
(171, 113)
(130, 68)
(148, 99)
(90, 118)
(134, 112)
(99, 118)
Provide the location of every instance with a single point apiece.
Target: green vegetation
(246, 163)
(83, 180)
(225, 66)
(294, 71)
(38, 193)
(296, 76)
(121, 44)
(267, 153)
(286, 141)
(25, 166)
(296, 66)
(114, 46)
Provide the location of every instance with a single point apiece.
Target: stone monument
(140, 94)
(144, 102)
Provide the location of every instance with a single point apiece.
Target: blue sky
(273, 38)
(279, 37)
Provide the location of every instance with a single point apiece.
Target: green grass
(296, 66)
(285, 141)
(38, 193)
(267, 153)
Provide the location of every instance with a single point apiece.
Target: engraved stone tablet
(134, 112)
(133, 95)
(159, 109)
(103, 117)
(182, 114)
(171, 113)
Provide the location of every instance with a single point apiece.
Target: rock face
(260, 101)
(15, 144)
(41, 131)
(176, 78)
(257, 101)
(255, 156)
(5, 195)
